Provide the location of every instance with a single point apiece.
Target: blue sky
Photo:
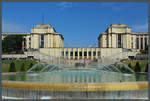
(79, 22)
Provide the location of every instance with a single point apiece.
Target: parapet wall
(126, 90)
(76, 87)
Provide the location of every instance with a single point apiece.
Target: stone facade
(45, 36)
(41, 36)
(46, 40)
(120, 36)
(73, 53)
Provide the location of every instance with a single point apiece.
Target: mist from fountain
(53, 68)
(104, 63)
(125, 66)
(46, 67)
(111, 60)
(35, 66)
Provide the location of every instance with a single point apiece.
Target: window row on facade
(141, 43)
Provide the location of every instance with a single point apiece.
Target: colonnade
(81, 53)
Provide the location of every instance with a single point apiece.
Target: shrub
(137, 67)
(146, 69)
(22, 67)
(12, 67)
(31, 64)
(38, 68)
(129, 65)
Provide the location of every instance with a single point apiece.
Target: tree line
(12, 44)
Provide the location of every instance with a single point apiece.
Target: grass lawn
(18, 63)
(142, 63)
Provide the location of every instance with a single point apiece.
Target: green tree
(12, 67)
(129, 65)
(31, 64)
(137, 67)
(22, 67)
(146, 69)
(12, 43)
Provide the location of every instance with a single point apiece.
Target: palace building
(45, 36)
(120, 36)
(116, 39)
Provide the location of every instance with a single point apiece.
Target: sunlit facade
(114, 40)
(120, 36)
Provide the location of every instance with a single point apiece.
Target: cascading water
(124, 66)
(46, 67)
(58, 71)
(35, 66)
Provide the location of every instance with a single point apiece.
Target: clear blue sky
(79, 22)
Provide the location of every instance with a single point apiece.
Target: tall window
(42, 41)
(137, 43)
(66, 53)
(76, 53)
(89, 53)
(71, 53)
(24, 42)
(85, 53)
(119, 41)
(80, 53)
(145, 42)
(94, 53)
(141, 43)
(99, 54)
(132, 45)
(132, 42)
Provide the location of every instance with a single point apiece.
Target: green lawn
(18, 63)
(142, 63)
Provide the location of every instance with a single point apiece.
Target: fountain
(58, 80)
(35, 66)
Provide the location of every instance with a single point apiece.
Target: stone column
(128, 38)
(68, 53)
(96, 53)
(87, 53)
(51, 36)
(109, 40)
(48, 41)
(32, 41)
(91, 53)
(57, 41)
(82, 53)
(78, 53)
(45, 41)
